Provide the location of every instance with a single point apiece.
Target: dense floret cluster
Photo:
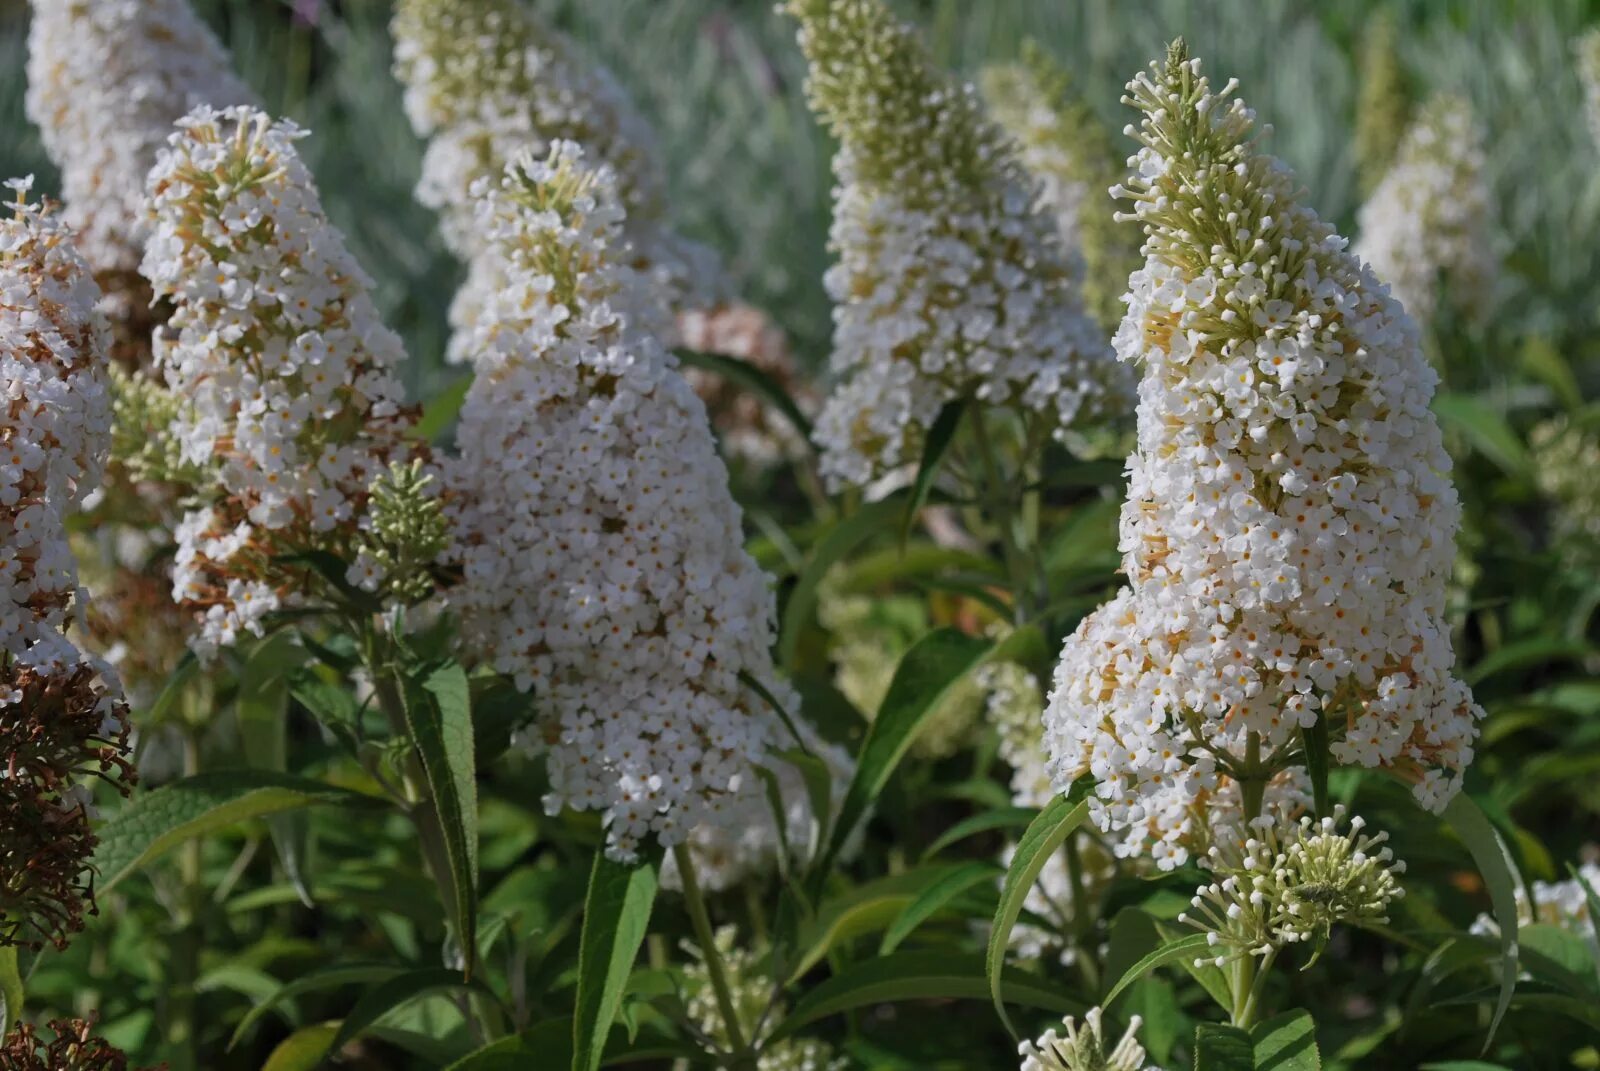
(949, 283)
(487, 81)
(106, 81)
(56, 430)
(276, 344)
(1427, 223)
(1290, 524)
(602, 556)
(1063, 146)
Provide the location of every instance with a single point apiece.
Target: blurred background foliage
(722, 81)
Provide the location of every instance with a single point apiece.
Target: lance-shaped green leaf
(616, 914)
(940, 435)
(393, 993)
(1044, 836)
(156, 821)
(906, 976)
(1495, 864)
(935, 898)
(1286, 1042)
(438, 711)
(1220, 1047)
(1184, 948)
(925, 675)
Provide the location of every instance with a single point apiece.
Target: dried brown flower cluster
(62, 728)
(73, 1048)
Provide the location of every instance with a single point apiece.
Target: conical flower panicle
(602, 557)
(56, 425)
(106, 81)
(1289, 526)
(1068, 152)
(61, 717)
(1085, 1047)
(72, 1046)
(948, 283)
(277, 345)
(1427, 224)
(487, 81)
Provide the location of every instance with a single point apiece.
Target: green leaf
(303, 1050)
(940, 435)
(1184, 949)
(863, 910)
(11, 994)
(1043, 837)
(840, 540)
(1286, 1042)
(616, 914)
(918, 976)
(1487, 431)
(156, 821)
(1558, 956)
(328, 978)
(438, 710)
(391, 994)
(1000, 818)
(263, 709)
(441, 412)
(753, 379)
(1495, 864)
(1464, 1065)
(1219, 1047)
(926, 673)
(546, 1044)
(934, 899)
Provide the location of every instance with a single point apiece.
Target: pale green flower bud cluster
(1567, 464)
(1292, 883)
(1084, 1047)
(1383, 104)
(143, 440)
(948, 284)
(1587, 51)
(752, 995)
(405, 531)
(1427, 224)
(1066, 149)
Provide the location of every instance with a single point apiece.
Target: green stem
(1253, 780)
(1245, 1017)
(1000, 502)
(742, 1055)
(183, 1028)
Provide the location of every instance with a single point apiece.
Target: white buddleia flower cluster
(1290, 524)
(1427, 224)
(487, 81)
(106, 81)
(276, 343)
(1287, 883)
(602, 554)
(1586, 50)
(751, 993)
(949, 283)
(1085, 1047)
(55, 428)
(1063, 146)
